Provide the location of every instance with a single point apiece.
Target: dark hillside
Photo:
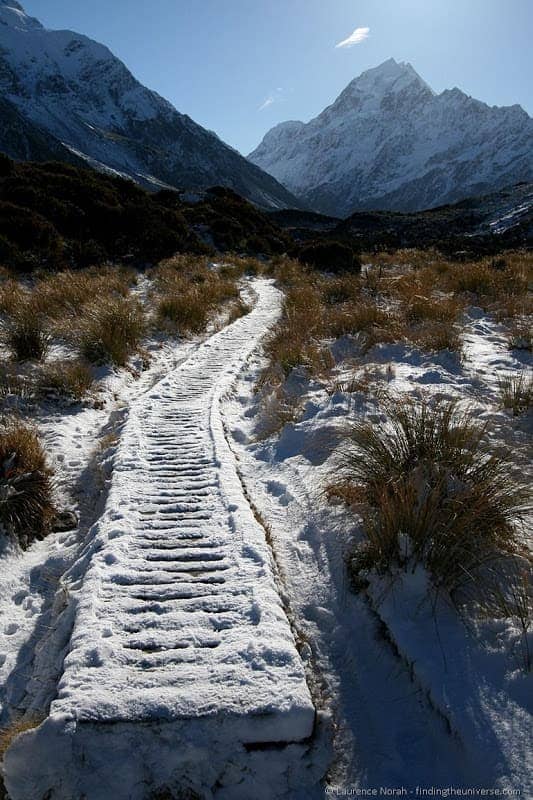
(55, 214)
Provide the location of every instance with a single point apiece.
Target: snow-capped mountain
(66, 92)
(389, 142)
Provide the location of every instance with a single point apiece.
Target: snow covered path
(180, 637)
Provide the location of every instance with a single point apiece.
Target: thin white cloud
(268, 101)
(276, 96)
(359, 35)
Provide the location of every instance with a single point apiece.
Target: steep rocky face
(389, 142)
(85, 100)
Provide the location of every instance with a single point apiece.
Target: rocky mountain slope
(389, 142)
(69, 94)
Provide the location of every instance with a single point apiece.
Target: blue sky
(240, 66)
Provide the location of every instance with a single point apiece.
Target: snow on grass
(420, 695)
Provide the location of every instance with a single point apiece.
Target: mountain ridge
(390, 142)
(75, 91)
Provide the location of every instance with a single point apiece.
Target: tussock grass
(521, 334)
(17, 726)
(188, 293)
(361, 317)
(436, 336)
(27, 333)
(296, 340)
(111, 330)
(238, 309)
(183, 313)
(26, 505)
(70, 379)
(12, 296)
(367, 381)
(342, 289)
(431, 493)
(66, 294)
(13, 385)
(516, 392)
(494, 285)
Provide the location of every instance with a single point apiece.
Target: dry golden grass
(492, 282)
(297, 339)
(279, 409)
(188, 293)
(19, 725)
(70, 379)
(377, 323)
(516, 392)
(342, 289)
(237, 310)
(26, 506)
(369, 380)
(433, 337)
(110, 330)
(512, 598)
(27, 332)
(520, 334)
(236, 266)
(66, 294)
(12, 296)
(430, 492)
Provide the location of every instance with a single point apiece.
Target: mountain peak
(390, 75)
(389, 142)
(13, 15)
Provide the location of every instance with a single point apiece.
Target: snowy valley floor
(420, 697)
(407, 695)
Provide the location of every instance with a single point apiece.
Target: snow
(180, 646)
(388, 141)
(419, 698)
(160, 639)
(79, 441)
(81, 95)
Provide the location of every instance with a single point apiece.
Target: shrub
(111, 330)
(330, 257)
(26, 506)
(432, 494)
